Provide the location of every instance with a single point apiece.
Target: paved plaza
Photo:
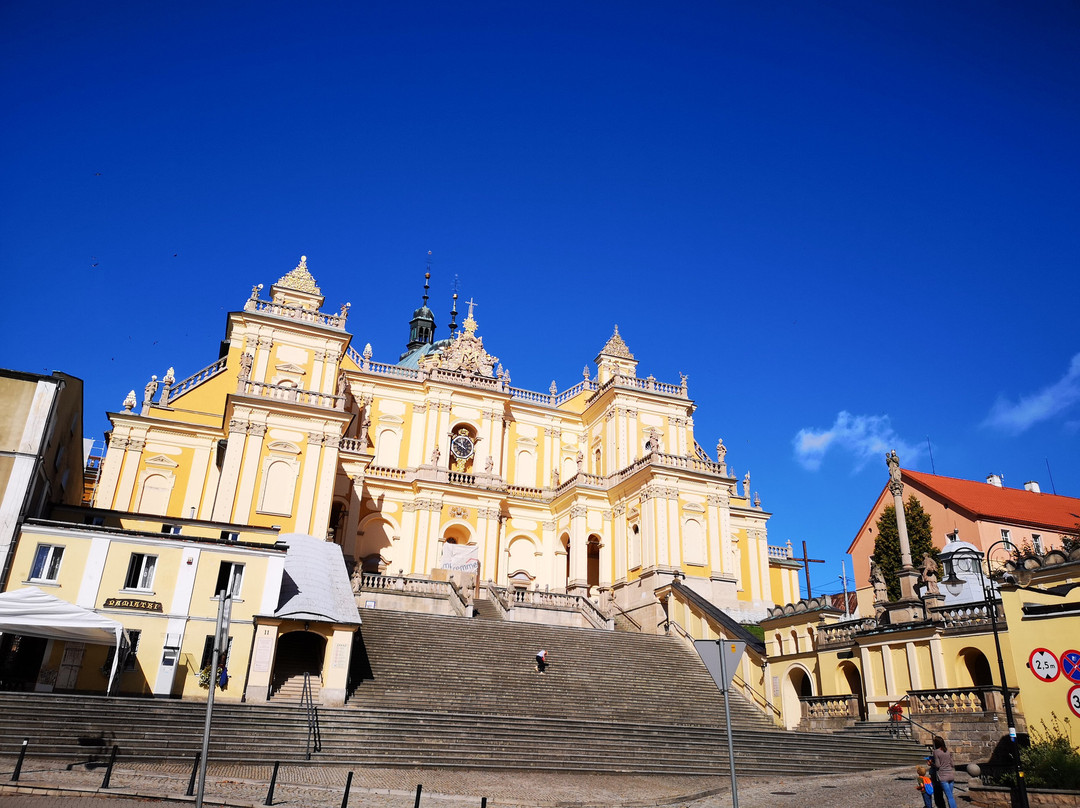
(47, 783)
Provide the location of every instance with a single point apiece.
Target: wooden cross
(806, 562)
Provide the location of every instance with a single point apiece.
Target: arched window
(526, 469)
(388, 448)
(279, 487)
(635, 546)
(156, 491)
(694, 542)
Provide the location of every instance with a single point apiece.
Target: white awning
(33, 613)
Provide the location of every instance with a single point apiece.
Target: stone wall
(999, 797)
(971, 737)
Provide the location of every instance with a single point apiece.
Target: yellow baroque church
(432, 467)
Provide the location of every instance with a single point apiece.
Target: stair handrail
(616, 607)
(314, 736)
(759, 697)
(897, 709)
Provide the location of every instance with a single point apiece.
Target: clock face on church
(462, 447)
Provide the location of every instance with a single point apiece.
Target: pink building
(983, 513)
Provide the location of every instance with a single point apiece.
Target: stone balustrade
(556, 601)
(293, 312)
(817, 707)
(975, 699)
(400, 583)
(843, 633)
(281, 392)
(194, 380)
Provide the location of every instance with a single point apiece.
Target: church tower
(422, 324)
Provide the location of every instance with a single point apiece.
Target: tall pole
(843, 574)
(727, 722)
(221, 627)
(991, 603)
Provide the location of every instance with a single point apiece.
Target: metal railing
(314, 736)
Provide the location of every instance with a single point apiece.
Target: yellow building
(294, 461)
(436, 461)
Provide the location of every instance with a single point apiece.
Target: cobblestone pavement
(48, 783)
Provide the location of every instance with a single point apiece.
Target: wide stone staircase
(460, 693)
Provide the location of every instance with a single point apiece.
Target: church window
(155, 494)
(279, 486)
(387, 448)
(526, 469)
(635, 546)
(1037, 543)
(694, 542)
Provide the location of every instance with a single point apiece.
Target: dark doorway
(20, 661)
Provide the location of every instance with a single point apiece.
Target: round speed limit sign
(1044, 664)
(1074, 700)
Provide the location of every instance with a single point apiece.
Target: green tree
(887, 543)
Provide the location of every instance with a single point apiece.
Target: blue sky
(854, 225)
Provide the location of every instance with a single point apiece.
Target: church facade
(435, 462)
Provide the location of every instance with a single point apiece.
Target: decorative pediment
(162, 461)
(694, 507)
(284, 446)
(289, 367)
(390, 419)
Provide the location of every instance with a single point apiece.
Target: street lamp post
(955, 585)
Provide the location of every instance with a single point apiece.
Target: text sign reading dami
(1044, 664)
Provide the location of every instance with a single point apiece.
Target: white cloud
(1040, 406)
(865, 437)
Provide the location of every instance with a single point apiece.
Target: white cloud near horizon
(864, 437)
(1039, 406)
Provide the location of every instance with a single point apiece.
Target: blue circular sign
(1070, 665)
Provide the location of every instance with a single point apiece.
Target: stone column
(579, 550)
(605, 578)
(911, 609)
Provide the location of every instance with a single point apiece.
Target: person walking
(946, 772)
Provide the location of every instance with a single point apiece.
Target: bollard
(108, 771)
(194, 774)
(483, 802)
(348, 785)
(18, 764)
(273, 782)
(419, 788)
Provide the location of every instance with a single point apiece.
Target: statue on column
(746, 485)
(893, 462)
(365, 424)
(245, 365)
(929, 570)
(435, 455)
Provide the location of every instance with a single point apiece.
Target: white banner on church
(464, 557)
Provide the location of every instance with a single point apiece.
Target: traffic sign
(1070, 665)
(710, 650)
(1044, 664)
(1074, 699)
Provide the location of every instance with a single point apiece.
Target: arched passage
(798, 684)
(973, 668)
(298, 653)
(849, 680)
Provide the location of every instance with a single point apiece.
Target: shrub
(1051, 761)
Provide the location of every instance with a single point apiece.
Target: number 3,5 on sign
(1044, 664)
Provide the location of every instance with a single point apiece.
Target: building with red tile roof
(982, 512)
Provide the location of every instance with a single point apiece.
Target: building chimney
(1032, 486)
(994, 479)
